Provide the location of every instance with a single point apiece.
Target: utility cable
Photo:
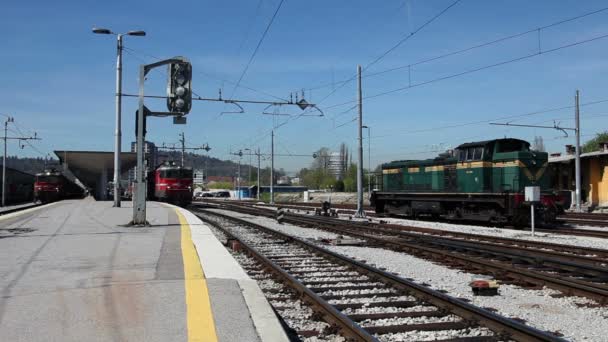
(474, 47)
(131, 51)
(391, 49)
(443, 78)
(255, 51)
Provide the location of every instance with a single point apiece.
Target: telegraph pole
(238, 177)
(369, 160)
(206, 148)
(249, 168)
(360, 212)
(9, 119)
(577, 162)
(6, 138)
(183, 141)
(258, 192)
(272, 167)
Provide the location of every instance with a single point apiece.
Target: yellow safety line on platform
(201, 326)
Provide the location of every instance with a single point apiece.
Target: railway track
(561, 229)
(571, 270)
(355, 300)
(587, 219)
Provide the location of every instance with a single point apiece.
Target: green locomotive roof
(487, 142)
(442, 160)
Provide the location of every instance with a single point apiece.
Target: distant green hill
(29, 165)
(215, 166)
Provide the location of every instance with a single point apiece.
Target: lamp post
(118, 133)
(238, 178)
(248, 167)
(205, 171)
(369, 159)
(6, 122)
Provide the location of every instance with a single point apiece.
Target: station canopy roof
(88, 166)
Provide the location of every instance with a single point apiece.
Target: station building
(594, 175)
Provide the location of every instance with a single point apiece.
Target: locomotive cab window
(462, 155)
(478, 153)
(176, 173)
(48, 179)
(470, 154)
(512, 146)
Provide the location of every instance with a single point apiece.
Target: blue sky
(58, 78)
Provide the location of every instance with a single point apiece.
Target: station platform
(73, 271)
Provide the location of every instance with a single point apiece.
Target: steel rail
(347, 327)
(596, 292)
(466, 236)
(599, 219)
(502, 326)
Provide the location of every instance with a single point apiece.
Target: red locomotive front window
(176, 174)
(47, 180)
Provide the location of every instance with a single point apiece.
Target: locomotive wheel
(521, 219)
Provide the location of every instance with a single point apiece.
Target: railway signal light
(179, 87)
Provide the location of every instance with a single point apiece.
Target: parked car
(223, 194)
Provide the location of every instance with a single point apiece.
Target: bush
(265, 197)
(221, 185)
(338, 186)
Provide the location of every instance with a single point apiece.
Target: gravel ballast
(578, 319)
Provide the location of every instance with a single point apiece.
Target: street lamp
(249, 167)
(118, 134)
(6, 122)
(207, 149)
(369, 159)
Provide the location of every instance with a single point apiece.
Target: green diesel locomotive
(482, 181)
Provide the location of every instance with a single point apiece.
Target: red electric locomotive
(52, 185)
(171, 183)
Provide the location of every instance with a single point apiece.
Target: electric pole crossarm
(577, 130)
(20, 138)
(271, 103)
(6, 138)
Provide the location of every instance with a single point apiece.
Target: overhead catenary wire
(474, 47)
(43, 154)
(195, 70)
(391, 49)
(463, 73)
(459, 74)
(255, 51)
(249, 26)
(485, 121)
